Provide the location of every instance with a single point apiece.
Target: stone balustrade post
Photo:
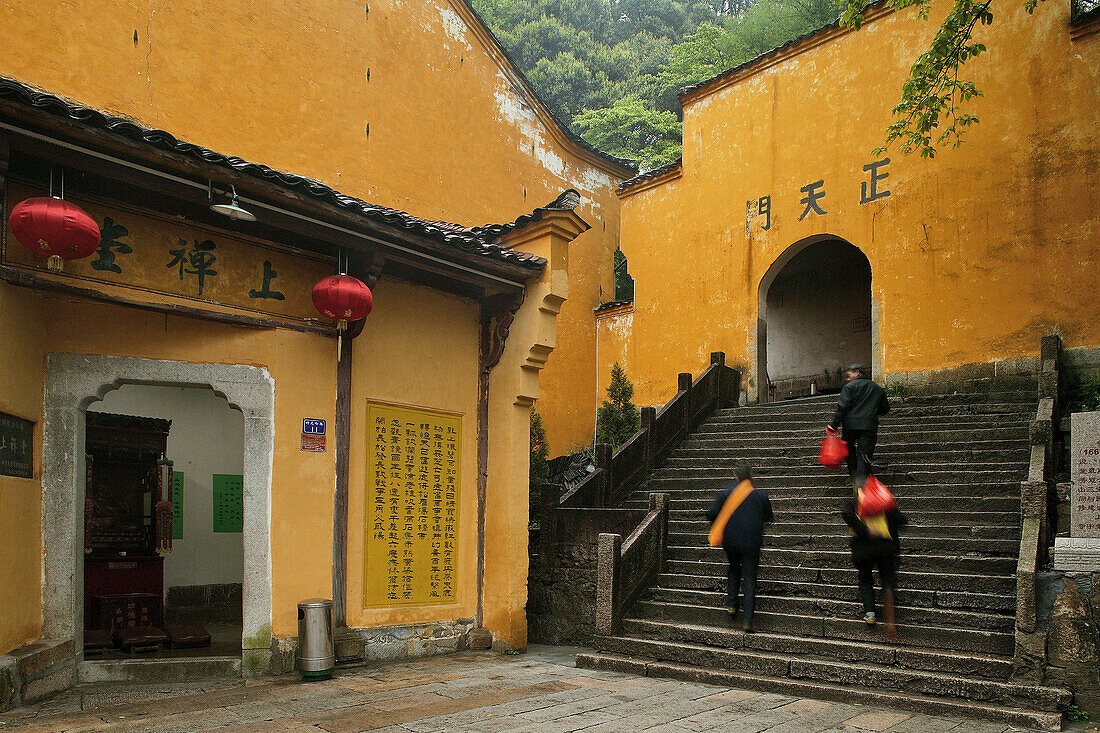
(608, 583)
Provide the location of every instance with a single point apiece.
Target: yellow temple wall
(976, 253)
(405, 105)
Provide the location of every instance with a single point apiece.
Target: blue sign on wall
(313, 426)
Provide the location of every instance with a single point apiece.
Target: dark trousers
(743, 566)
(887, 564)
(861, 449)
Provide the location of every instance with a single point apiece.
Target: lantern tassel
(55, 263)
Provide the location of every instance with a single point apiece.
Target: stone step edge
(820, 690)
(926, 628)
(839, 643)
(663, 580)
(1044, 697)
(697, 597)
(722, 567)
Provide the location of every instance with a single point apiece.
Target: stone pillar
(608, 583)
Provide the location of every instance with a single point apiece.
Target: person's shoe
(732, 611)
(869, 618)
(747, 627)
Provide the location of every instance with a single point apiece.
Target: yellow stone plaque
(160, 255)
(412, 506)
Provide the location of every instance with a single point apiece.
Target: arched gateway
(814, 318)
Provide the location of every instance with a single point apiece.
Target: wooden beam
(47, 285)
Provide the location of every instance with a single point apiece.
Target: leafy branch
(929, 114)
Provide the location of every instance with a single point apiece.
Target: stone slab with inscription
(1085, 474)
(1081, 551)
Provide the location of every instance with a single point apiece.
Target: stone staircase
(955, 464)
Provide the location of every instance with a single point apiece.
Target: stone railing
(1029, 659)
(627, 567)
(620, 472)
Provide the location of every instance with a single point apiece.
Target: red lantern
(343, 298)
(54, 228)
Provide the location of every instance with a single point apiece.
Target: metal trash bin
(316, 650)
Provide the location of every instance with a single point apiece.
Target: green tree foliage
(624, 283)
(613, 69)
(629, 128)
(617, 418)
(930, 113)
(540, 452)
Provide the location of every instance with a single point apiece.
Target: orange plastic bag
(874, 499)
(834, 451)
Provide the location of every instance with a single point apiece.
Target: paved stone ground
(477, 691)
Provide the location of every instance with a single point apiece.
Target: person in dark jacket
(741, 539)
(875, 544)
(861, 404)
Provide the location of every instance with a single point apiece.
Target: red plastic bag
(834, 451)
(874, 499)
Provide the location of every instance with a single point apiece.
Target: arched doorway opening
(815, 318)
(75, 382)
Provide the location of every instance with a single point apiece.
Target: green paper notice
(177, 505)
(228, 503)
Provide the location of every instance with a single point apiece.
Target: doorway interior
(815, 319)
(163, 522)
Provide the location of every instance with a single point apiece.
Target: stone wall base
(36, 671)
(391, 643)
(992, 376)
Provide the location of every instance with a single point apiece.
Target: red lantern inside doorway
(54, 228)
(342, 298)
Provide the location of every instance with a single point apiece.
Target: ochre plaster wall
(419, 348)
(975, 254)
(402, 106)
(21, 360)
(301, 484)
(614, 343)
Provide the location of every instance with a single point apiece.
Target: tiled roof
(481, 240)
(649, 175)
(611, 305)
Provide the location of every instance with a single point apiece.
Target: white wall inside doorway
(207, 437)
(819, 312)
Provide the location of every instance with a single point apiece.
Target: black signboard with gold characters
(169, 259)
(16, 446)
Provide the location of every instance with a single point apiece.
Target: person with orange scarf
(738, 515)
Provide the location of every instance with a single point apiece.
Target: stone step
(864, 674)
(808, 457)
(846, 607)
(906, 595)
(1001, 400)
(974, 472)
(824, 478)
(816, 516)
(887, 432)
(904, 700)
(795, 438)
(791, 502)
(1008, 448)
(914, 426)
(962, 533)
(828, 541)
(909, 416)
(969, 563)
(985, 641)
(839, 487)
(903, 657)
(715, 571)
(181, 669)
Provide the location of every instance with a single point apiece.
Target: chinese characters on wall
(1085, 473)
(814, 193)
(150, 252)
(412, 507)
(16, 446)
